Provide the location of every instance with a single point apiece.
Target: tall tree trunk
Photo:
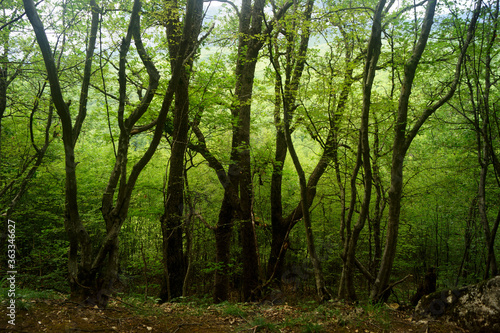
(223, 234)
(172, 219)
(318, 273)
(346, 287)
(249, 45)
(250, 279)
(489, 153)
(229, 211)
(285, 96)
(491, 262)
(115, 207)
(403, 139)
(380, 203)
(79, 274)
(237, 182)
(280, 228)
(288, 93)
(91, 277)
(399, 152)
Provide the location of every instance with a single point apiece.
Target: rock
(475, 307)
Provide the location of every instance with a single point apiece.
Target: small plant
(260, 323)
(37, 294)
(233, 310)
(312, 328)
(24, 297)
(305, 323)
(310, 305)
(28, 294)
(291, 322)
(327, 311)
(22, 304)
(379, 313)
(342, 322)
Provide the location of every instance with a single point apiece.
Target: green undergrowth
(24, 298)
(307, 316)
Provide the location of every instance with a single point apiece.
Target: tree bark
(280, 227)
(249, 44)
(172, 219)
(250, 28)
(223, 234)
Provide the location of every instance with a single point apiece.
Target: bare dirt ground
(59, 315)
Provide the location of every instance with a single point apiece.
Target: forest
(246, 150)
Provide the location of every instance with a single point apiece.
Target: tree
(479, 97)
(13, 189)
(307, 141)
(237, 182)
(286, 91)
(92, 277)
(77, 234)
(346, 288)
(172, 219)
(7, 75)
(404, 137)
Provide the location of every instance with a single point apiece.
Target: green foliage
(233, 310)
(24, 297)
(441, 169)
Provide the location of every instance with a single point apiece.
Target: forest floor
(60, 315)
